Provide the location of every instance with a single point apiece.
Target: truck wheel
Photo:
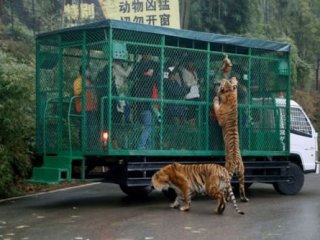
(294, 185)
(136, 192)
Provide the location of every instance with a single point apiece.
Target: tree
(16, 121)
(184, 13)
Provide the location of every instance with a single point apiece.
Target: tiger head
(227, 88)
(160, 180)
(164, 178)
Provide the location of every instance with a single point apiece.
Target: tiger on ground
(190, 179)
(225, 106)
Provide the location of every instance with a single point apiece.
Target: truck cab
(303, 137)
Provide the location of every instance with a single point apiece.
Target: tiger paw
(184, 208)
(220, 209)
(244, 199)
(174, 205)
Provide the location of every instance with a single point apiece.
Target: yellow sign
(163, 13)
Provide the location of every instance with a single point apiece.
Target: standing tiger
(188, 180)
(225, 106)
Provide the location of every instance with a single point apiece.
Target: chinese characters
(152, 12)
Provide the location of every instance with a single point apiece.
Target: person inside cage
(90, 104)
(191, 80)
(244, 117)
(120, 74)
(174, 88)
(102, 83)
(144, 86)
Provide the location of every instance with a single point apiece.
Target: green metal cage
(175, 126)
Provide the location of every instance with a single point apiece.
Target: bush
(6, 176)
(17, 126)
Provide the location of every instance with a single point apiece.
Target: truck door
(303, 138)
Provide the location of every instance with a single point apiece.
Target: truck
(277, 140)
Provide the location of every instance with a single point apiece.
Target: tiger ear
(175, 165)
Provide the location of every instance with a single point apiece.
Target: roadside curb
(47, 192)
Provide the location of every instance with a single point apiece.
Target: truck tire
(136, 191)
(294, 185)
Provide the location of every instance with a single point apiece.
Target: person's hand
(227, 65)
(149, 73)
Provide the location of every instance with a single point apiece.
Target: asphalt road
(103, 212)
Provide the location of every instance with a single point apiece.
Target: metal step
(56, 169)
(47, 175)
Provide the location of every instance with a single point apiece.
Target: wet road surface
(103, 212)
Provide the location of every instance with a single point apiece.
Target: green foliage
(296, 22)
(218, 17)
(17, 116)
(6, 175)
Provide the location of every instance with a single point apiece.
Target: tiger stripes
(225, 106)
(194, 179)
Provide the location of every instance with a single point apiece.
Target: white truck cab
(303, 137)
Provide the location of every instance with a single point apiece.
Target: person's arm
(184, 89)
(126, 72)
(169, 89)
(196, 79)
(186, 77)
(121, 72)
(77, 88)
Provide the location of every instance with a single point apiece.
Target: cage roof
(186, 34)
